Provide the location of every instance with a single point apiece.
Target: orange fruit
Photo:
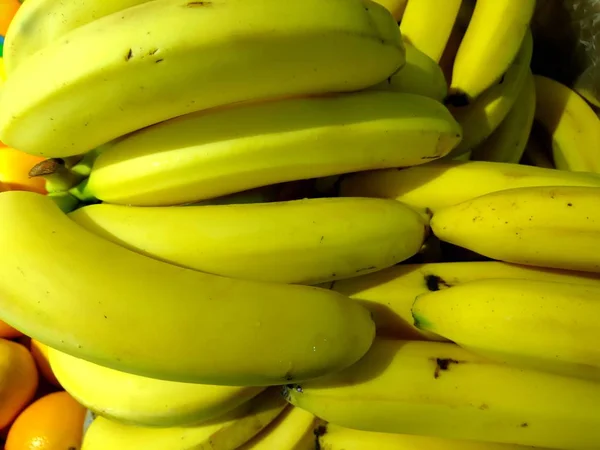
(8, 8)
(6, 331)
(18, 380)
(14, 170)
(54, 422)
(40, 355)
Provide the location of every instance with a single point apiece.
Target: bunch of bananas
(304, 224)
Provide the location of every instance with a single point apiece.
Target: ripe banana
(291, 430)
(226, 433)
(546, 226)
(203, 155)
(304, 241)
(140, 72)
(189, 326)
(427, 25)
(420, 75)
(396, 7)
(507, 143)
(334, 437)
(480, 118)
(136, 400)
(446, 183)
(389, 294)
(439, 389)
(572, 123)
(41, 22)
(543, 325)
(495, 33)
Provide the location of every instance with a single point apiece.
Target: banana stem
(58, 177)
(82, 192)
(65, 201)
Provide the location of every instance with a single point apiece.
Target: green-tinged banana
(334, 437)
(226, 433)
(200, 156)
(396, 7)
(189, 326)
(572, 124)
(420, 75)
(389, 294)
(427, 25)
(543, 325)
(141, 72)
(40, 22)
(303, 241)
(446, 183)
(507, 143)
(545, 226)
(492, 40)
(442, 390)
(136, 400)
(480, 118)
(291, 430)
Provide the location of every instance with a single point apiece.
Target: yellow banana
(396, 7)
(441, 184)
(420, 75)
(334, 437)
(143, 401)
(547, 226)
(207, 155)
(226, 433)
(544, 325)
(507, 143)
(491, 42)
(304, 241)
(480, 118)
(141, 72)
(389, 294)
(441, 390)
(572, 123)
(95, 300)
(427, 25)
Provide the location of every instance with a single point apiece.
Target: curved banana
(427, 25)
(203, 155)
(495, 33)
(226, 433)
(389, 294)
(572, 123)
(544, 325)
(507, 143)
(395, 7)
(334, 437)
(141, 73)
(483, 116)
(420, 75)
(441, 390)
(304, 241)
(136, 400)
(78, 293)
(445, 183)
(545, 226)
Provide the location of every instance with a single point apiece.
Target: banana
(189, 326)
(544, 325)
(291, 430)
(572, 123)
(389, 294)
(40, 22)
(334, 437)
(495, 33)
(202, 155)
(547, 226)
(427, 25)
(396, 7)
(140, 72)
(226, 433)
(442, 184)
(142, 401)
(420, 75)
(441, 390)
(480, 118)
(507, 143)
